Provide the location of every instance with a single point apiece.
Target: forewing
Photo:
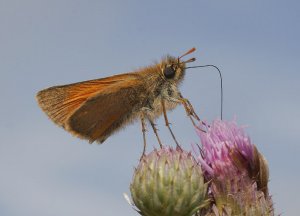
(60, 102)
(107, 111)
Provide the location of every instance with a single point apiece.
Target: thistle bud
(168, 182)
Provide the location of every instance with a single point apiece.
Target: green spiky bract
(168, 182)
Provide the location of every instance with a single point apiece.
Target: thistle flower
(168, 182)
(238, 172)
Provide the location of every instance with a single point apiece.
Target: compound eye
(169, 72)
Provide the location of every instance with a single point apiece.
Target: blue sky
(46, 171)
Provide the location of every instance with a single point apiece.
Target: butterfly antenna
(188, 52)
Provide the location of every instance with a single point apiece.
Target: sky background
(45, 171)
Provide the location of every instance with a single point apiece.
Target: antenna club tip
(188, 52)
(191, 50)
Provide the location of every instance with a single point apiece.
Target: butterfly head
(173, 69)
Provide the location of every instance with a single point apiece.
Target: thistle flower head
(238, 172)
(220, 143)
(168, 182)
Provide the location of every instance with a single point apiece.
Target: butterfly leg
(191, 113)
(168, 123)
(144, 133)
(188, 109)
(155, 131)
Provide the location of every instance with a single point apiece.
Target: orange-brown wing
(60, 102)
(106, 112)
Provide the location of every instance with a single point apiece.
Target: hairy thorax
(161, 91)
